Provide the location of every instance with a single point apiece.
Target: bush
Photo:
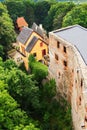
(39, 70)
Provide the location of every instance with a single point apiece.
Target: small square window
(34, 54)
(86, 118)
(56, 57)
(65, 63)
(41, 44)
(64, 48)
(81, 82)
(58, 44)
(80, 100)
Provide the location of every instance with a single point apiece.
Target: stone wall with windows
(70, 72)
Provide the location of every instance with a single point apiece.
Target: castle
(68, 59)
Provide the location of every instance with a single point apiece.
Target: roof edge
(68, 27)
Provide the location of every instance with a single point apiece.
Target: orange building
(31, 42)
(20, 23)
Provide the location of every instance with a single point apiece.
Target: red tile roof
(21, 22)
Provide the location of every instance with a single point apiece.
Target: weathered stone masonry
(69, 70)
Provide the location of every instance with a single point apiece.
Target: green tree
(51, 14)
(27, 127)
(26, 91)
(1, 51)
(60, 13)
(29, 12)
(56, 13)
(39, 70)
(3, 9)
(9, 64)
(10, 114)
(38, 101)
(15, 8)
(41, 11)
(76, 16)
(26, 7)
(7, 33)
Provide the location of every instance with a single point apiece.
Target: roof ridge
(68, 27)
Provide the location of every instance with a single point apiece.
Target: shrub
(39, 70)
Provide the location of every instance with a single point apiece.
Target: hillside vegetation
(26, 104)
(27, 101)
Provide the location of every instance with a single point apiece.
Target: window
(34, 54)
(56, 57)
(58, 44)
(81, 82)
(75, 81)
(64, 48)
(80, 100)
(43, 52)
(86, 118)
(77, 71)
(41, 44)
(59, 75)
(65, 63)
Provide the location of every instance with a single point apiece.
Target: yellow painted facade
(39, 49)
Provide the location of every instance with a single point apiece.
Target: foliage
(26, 7)
(7, 34)
(76, 16)
(38, 101)
(1, 51)
(56, 14)
(10, 114)
(54, 112)
(29, 14)
(9, 64)
(31, 59)
(28, 127)
(60, 13)
(38, 69)
(16, 8)
(3, 9)
(41, 11)
(50, 17)
(49, 89)
(26, 91)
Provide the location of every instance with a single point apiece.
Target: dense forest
(28, 100)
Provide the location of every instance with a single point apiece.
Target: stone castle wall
(69, 71)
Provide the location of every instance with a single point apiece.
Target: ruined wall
(69, 71)
(79, 93)
(61, 67)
